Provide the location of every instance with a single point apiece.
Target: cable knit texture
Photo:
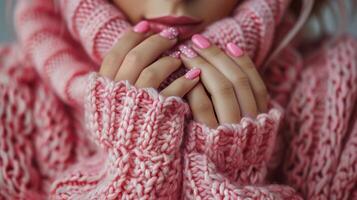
(68, 133)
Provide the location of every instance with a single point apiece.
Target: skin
(133, 58)
(205, 10)
(228, 88)
(234, 87)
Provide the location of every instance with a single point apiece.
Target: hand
(234, 87)
(135, 57)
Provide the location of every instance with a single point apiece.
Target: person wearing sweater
(174, 99)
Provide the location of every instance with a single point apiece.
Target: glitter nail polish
(170, 33)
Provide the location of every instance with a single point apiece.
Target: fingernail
(170, 33)
(235, 50)
(193, 74)
(187, 51)
(201, 41)
(142, 27)
(175, 54)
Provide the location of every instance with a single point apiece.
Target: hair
(311, 10)
(306, 8)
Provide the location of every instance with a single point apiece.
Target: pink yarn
(319, 119)
(67, 133)
(99, 30)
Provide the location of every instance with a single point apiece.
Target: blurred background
(7, 33)
(6, 30)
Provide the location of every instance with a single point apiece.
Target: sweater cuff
(120, 115)
(233, 147)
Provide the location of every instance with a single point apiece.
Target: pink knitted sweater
(68, 133)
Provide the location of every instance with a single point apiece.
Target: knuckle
(109, 60)
(216, 52)
(247, 64)
(133, 57)
(203, 63)
(241, 81)
(148, 75)
(225, 87)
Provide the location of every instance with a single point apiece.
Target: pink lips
(187, 26)
(172, 20)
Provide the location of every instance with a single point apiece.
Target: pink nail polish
(142, 27)
(193, 74)
(201, 41)
(175, 54)
(235, 50)
(170, 33)
(187, 51)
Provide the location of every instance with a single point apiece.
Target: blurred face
(189, 16)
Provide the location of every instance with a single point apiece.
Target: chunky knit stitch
(323, 122)
(68, 133)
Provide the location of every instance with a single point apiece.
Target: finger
(256, 82)
(182, 85)
(218, 86)
(145, 54)
(231, 70)
(201, 106)
(155, 74)
(128, 41)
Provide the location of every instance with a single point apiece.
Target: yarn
(68, 133)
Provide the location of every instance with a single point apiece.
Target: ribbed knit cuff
(235, 147)
(121, 115)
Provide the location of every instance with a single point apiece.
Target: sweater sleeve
(141, 133)
(239, 151)
(320, 123)
(97, 24)
(59, 61)
(202, 181)
(19, 177)
(229, 162)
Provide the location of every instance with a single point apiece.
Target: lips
(187, 26)
(172, 20)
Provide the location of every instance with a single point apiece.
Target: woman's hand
(234, 87)
(135, 57)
